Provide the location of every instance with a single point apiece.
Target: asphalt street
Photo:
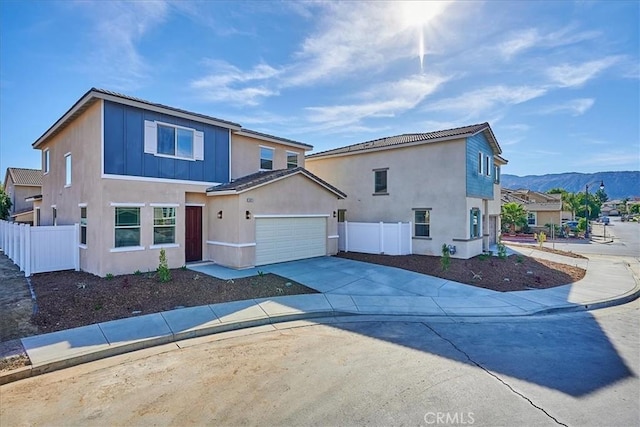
(565, 369)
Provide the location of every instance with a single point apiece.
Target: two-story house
(446, 183)
(21, 186)
(140, 177)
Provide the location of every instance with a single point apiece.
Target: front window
(480, 163)
(292, 160)
(342, 215)
(422, 221)
(531, 218)
(266, 158)
(380, 182)
(45, 162)
(175, 141)
(67, 162)
(475, 223)
(164, 226)
(83, 225)
(127, 228)
(487, 165)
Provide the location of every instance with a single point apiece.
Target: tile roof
(260, 178)
(393, 141)
(266, 135)
(22, 176)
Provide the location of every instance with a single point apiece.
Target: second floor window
(174, 141)
(380, 181)
(67, 163)
(266, 158)
(292, 160)
(531, 218)
(45, 161)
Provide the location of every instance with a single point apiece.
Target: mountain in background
(617, 185)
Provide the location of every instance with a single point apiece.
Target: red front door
(193, 233)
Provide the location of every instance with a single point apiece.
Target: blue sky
(559, 82)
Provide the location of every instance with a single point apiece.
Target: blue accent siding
(479, 185)
(124, 147)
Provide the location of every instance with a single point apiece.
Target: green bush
(164, 274)
(445, 261)
(502, 250)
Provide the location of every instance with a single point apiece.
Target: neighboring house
(542, 208)
(139, 177)
(447, 183)
(21, 185)
(613, 207)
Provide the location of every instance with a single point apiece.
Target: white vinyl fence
(375, 237)
(41, 249)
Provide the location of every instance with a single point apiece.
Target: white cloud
(227, 83)
(118, 26)
(575, 75)
(481, 101)
(575, 107)
(383, 100)
(530, 38)
(353, 37)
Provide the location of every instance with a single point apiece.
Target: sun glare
(419, 14)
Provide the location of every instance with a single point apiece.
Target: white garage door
(287, 239)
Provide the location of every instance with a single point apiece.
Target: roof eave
(273, 139)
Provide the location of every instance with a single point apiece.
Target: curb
(55, 365)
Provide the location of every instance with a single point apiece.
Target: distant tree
(573, 203)
(591, 208)
(623, 207)
(634, 209)
(601, 196)
(5, 204)
(513, 214)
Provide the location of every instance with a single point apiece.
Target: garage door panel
(287, 239)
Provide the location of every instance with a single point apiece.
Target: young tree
(513, 214)
(601, 196)
(5, 204)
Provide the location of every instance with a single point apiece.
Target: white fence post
(346, 236)
(76, 247)
(23, 246)
(27, 251)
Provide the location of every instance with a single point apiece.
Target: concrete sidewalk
(347, 288)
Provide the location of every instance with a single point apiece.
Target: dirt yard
(514, 273)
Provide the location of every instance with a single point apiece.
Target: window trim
(386, 181)
(46, 161)
(288, 164)
(54, 214)
(116, 227)
(67, 170)
(151, 141)
(273, 151)
(487, 165)
(496, 174)
(428, 223)
(534, 215)
(480, 162)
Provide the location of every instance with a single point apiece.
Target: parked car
(572, 225)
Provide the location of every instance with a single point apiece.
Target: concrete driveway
(331, 275)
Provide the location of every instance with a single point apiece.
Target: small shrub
(445, 261)
(484, 256)
(137, 272)
(519, 259)
(260, 273)
(502, 250)
(542, 238)
(164, 274)
(109, 276)
(184, 267)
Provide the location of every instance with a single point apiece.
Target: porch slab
(221, 272)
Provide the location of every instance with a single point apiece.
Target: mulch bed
(513, 273)
(68, 299)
